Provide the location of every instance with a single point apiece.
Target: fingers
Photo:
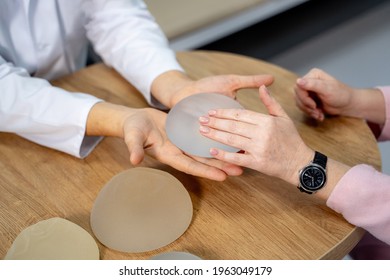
(314, 85)
(234, 158)
(265, 80)
(135, 145)
(316, 73)
(254, 81)
(203, 167)
(228, 168)
(311, 89)
(305, 102)
(317, 81)
(224, 137)
(230, 126)
(241, 115)
(237, 82)
(234, 126)
(250, 117)
(194, 167)
(273, 107)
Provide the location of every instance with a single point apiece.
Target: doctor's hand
(270, 142)
(171, 87)
(143, 131)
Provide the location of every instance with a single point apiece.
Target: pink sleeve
(363, 197)
(385, 134)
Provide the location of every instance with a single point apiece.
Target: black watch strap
(320, 159)
(303, 190)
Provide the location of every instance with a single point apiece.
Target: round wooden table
(252, 216)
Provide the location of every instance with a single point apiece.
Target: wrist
(302, 157)
(368, 104)
(168, 87)
(334, 171)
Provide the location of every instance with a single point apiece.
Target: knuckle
(232, 126)
(234, 81)
(238, 114)
(236, 158)
(315, 70)
(231, 139)
(230, 157)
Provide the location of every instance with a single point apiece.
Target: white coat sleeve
(41, 113)
(126, 36)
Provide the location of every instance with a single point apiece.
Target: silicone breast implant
(141, 209)
(182, 124)
(54, 239)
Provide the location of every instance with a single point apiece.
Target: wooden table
(248, 217)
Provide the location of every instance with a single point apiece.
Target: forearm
(41, 113)
(168, 83)
(107, 119)
(362, 196)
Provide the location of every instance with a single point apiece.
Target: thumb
(135, 146)
(273, 107)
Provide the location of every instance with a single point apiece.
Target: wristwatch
(313, 176)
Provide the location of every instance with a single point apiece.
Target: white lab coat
(42, 40)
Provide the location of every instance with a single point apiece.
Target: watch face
(312, 177)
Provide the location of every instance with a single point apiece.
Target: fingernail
(301, 81)
(315, 115)
(204, 119)
(204, 129)
(213, 152)
(265, 89)
(212, 112)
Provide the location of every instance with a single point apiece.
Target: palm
(146, 132)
